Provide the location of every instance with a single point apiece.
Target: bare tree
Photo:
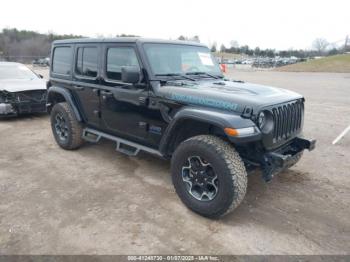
(234, 43)
(320, 44)
(195, 39)
(222, 48)
(346, 45)
(213, 47)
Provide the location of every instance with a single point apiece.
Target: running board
(124, 146)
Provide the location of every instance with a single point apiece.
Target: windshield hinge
(247, 112)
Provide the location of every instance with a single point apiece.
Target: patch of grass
(333, 64)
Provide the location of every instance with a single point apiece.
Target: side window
(118, 57)
(61, 60)
(86, 63)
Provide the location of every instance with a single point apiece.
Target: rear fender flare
(53, 90)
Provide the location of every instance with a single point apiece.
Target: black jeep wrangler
(169, 98)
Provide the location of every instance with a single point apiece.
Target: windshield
(15, 71)
(170, 59)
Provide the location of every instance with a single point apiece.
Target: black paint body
(160, 112)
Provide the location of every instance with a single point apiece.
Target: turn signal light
(246, 131)
(231, 131)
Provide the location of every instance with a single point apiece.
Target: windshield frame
(154, 76)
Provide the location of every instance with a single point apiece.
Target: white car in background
(21, 90)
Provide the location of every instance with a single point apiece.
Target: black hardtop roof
(124, 40)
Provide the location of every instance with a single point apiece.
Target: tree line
(320, 46)
(24, 45)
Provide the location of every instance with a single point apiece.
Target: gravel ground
(98, 201)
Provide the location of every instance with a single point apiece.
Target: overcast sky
(275, 24)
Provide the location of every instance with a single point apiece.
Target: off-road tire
(75, 130)
(228, 166)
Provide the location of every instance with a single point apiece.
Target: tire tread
(233, 162)
(76, 128)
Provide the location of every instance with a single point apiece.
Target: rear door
(86, 77)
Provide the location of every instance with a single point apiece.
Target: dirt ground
(97, 201)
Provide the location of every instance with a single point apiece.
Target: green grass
(333, 64)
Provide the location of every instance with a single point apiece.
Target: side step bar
(124, 146)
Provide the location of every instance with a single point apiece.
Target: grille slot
(288, 119)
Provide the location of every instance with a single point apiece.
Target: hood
(18, 85)
(226, 94)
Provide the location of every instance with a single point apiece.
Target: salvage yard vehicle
(41, 62)
(21, 90)
(170, 98)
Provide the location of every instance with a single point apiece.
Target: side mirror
(130, 74)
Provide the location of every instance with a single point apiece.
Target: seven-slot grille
(288, 119)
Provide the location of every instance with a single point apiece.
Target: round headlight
(261, 120)
(265, 122)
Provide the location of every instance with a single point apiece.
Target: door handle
(105, 94)
(78, 87)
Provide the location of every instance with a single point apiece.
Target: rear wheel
(65, 127)
(209, 175)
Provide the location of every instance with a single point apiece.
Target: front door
(86, 82)
(123, 105)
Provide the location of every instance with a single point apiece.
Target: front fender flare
(67, 96)
(214, 117)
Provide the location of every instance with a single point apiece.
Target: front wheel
(65, 127)
(208, 175)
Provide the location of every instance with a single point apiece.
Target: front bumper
(14, 109)
(7, 110)
(31, 107)
(276, 161)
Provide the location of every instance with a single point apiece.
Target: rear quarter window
(61, 63)
(86, 63)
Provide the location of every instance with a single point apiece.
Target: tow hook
(276, 161)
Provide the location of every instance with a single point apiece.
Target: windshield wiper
(179, 75)
(204, 73)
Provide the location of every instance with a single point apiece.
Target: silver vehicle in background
(21, 90)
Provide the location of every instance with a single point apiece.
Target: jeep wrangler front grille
(288, 120)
